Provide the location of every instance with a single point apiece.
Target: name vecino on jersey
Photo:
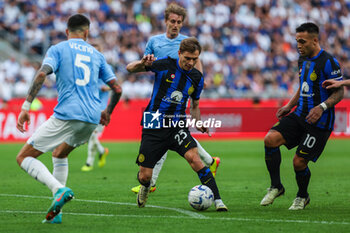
(82, 48)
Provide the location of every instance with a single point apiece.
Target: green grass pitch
(104, 202)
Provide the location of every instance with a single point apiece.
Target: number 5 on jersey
(79, 63)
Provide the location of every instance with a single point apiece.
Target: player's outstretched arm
(331, 83)
(33, 91)
(316, 112)
(116, 94)
(288, 107)
(196, 114)
(140, 66)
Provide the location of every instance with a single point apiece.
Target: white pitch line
(182, 217)
(95, 215)
(190, 214)
(181, 211)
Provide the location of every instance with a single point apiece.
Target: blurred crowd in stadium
(249, 46)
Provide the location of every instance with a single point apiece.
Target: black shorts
(310, 139)
(155, 142)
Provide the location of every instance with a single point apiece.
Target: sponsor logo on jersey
(305, 89)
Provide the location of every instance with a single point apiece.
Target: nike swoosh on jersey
(302, 152)
(169, 81)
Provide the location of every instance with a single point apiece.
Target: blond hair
(175, 9)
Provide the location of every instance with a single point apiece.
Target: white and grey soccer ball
(200, 197)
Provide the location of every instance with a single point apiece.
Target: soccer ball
(200, 197)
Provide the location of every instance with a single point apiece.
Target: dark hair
(308, 27)
(190, 44)
(78, 22)
(175, 9)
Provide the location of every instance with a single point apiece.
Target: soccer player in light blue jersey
(94, 144)
(78, 67)
(168, 44)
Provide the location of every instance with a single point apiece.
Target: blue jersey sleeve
(149, 47)
(197, 93)
(51, 58)
(158, 65)
(106, 72)
(332, 69)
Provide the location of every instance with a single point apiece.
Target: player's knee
(19, 158)
(299, 163)
(144, 178)
(59, 154)
(273, 139)
(22, 154)
(145, 175)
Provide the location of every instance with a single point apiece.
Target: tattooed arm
(116, 94)
(38, 82)
(332, 100)
(335, 97)
(33, 91)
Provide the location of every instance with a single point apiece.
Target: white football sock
(100, 148)
(157, 168)
(60, 169)
(39, 171)
(91, 150)
(205, 156)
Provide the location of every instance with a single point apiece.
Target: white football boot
(299, 203)
(271, 195)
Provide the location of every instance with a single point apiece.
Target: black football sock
(303, 178)
(208, 179)
(273, 162)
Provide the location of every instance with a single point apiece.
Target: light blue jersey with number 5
(78, 67)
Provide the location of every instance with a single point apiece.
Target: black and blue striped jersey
(172, 88)
(312, 72)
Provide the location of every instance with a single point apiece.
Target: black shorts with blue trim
(310, 139)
